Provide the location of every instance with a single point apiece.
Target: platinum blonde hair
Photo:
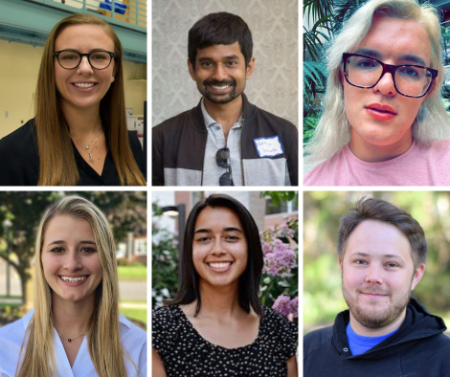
(333, 129)
(103, 334)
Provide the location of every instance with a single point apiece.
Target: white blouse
(134, 342)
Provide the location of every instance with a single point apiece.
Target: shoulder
(20, 141)
(11, 339)
(317, 338)
(324, 172)
(274, 120)
(129, 331)
(173, 124)
(278, 327)
(135, 144)
(165, 317)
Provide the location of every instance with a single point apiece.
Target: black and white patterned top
(186, 354)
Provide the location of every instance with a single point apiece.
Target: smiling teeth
(221, 87)
(73, 280)
(84, 84)
(220, 265)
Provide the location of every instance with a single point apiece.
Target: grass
(137, 314)
(132, 273)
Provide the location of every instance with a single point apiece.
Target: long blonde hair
(103, 334)
(333, 129)
(57, 165)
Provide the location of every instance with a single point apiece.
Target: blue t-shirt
(360, 344)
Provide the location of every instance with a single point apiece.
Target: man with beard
(385, 332)
(225, 140)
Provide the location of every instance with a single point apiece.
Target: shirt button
(345, 349)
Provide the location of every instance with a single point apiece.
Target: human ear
(418, 273)
(191, 70)
(250, 68)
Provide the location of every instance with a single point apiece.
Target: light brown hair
(380, 210)
(57, 162)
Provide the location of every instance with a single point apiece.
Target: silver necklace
(70, 339)
(87, 146)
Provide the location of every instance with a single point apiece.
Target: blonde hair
(103, 333)
(56, 165)
(333, 129)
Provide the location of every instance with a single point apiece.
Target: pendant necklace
(70, 339)
(88, 146)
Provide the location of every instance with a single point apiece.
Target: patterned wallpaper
(274, 26)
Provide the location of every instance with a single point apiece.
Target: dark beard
(220, 99)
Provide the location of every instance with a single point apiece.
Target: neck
(362, 330)
(226, 114)
(219, 302)
(378, 153)
(71, 319)
(82, 123)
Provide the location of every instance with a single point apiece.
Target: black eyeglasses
(409, 80)
(71, 59)
(223, 160)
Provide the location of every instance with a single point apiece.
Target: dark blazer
(19, 160)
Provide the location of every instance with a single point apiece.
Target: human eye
(232, 238)
(99, 56)
(360, 262)
(391, 265)
(56, 250)
(88, 250)
(202, 239)
(232, 63)
(410, 72)
(69, 55)
(366, 63)
(206, 64)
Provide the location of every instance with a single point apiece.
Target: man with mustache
(225, 140)
(385, 332)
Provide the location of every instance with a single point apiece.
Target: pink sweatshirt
(419, 166)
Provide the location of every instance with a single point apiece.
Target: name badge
(268, 146)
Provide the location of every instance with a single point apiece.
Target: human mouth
(218, 87)
(84, 86)
(380, 111)
(219, 266)
(74, 281)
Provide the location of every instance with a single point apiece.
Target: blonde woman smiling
(75, 329)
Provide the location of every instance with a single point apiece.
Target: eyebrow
(208, 59)
(61, 242)
(91, 51)
(391, 256)
(376, 55)
(208, 230)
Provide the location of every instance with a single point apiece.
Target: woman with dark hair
(216, 325)
(79, 135)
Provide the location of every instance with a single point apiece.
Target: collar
(29, 315)
(197, 120)
(210, 121)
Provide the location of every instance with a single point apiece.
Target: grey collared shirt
(215, 141)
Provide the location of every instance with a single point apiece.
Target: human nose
(72, 261)
(220, 73)
(374, 274)
(386, 85)
(84, 66)
(217, 247)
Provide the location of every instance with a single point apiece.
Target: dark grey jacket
(179, 149)
(418, 349)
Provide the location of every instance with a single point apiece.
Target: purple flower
(284, 305)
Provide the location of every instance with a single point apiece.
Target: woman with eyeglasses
(79, 135)
(75, 329)
(384, 122)
(216, 325)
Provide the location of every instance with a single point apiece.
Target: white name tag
(269, 146)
